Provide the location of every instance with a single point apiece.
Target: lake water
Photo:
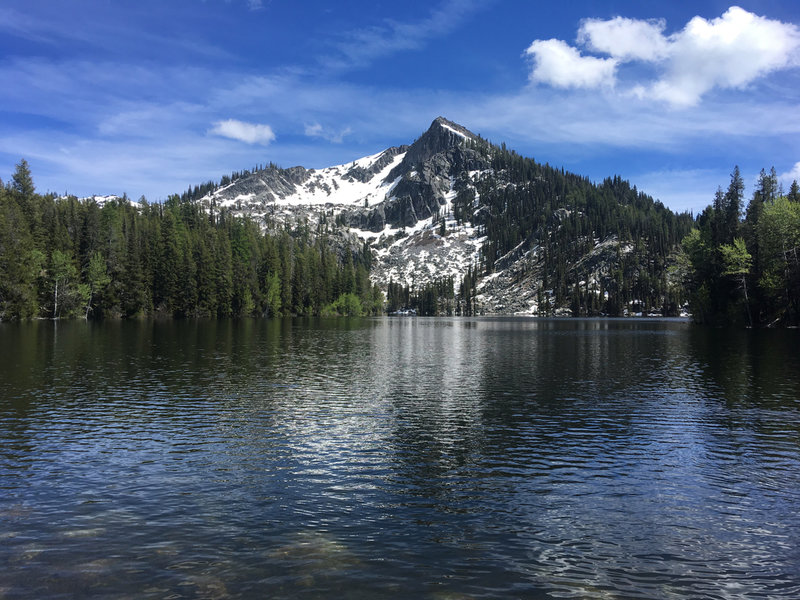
(398, 458)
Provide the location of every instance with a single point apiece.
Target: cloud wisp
(729, 52)
(363, 46)
(318, 131)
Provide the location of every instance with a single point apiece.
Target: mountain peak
(440, 123)
(441, 136)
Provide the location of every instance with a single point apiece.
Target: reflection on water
(432, 458)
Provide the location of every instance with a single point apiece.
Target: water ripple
(399, 458)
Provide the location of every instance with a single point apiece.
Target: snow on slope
(458, 133)
(333, 186)
(415, 256)
(358, 191)
(98, 199)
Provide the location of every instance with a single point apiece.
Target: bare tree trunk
(55, 301)
(746, 299)
(89, 303)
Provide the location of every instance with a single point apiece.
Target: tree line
(743, 265)
(431, 299)
(62, 257)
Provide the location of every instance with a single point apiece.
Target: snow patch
(458, 133)
(100, 200)
(331, 186)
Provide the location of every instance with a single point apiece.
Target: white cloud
(561, 65)
(250, 133)
(587, 121)
(792, 175)
(729, 52)
(147, 128)
(625, 39)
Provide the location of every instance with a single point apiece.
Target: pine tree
(166, 293)
(223, 273)
(20, 262)
(733, 205)
(22, 181)
(794, 192)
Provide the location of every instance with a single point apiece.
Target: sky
(151, 97)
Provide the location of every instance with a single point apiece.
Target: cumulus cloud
(792, 175)
(560, 65)
(250, 133)
(728, 52)
(625, 39)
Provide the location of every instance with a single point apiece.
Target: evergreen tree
(223, 274)
(794, 192)
(734, 198)
(20, 262)
(22, 181)
(753, 279)
(167, 291)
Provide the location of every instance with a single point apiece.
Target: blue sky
(149, 97)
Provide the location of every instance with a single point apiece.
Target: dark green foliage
(435, 298)
(348, 305)
(465, 304)
(746, 272)
(525, 205)
(22, 181)
(20, 262)
(794, 192)
(65, 258)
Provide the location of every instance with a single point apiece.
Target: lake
(398, 458)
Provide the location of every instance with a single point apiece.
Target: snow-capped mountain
(540, 239)
(399, 201)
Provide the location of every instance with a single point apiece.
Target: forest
(526, 204)
(742, 266)
(62, 258)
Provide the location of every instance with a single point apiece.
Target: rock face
(428, 169)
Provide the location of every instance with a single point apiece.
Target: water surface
(398, 458)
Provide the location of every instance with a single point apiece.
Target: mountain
(510, 235)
